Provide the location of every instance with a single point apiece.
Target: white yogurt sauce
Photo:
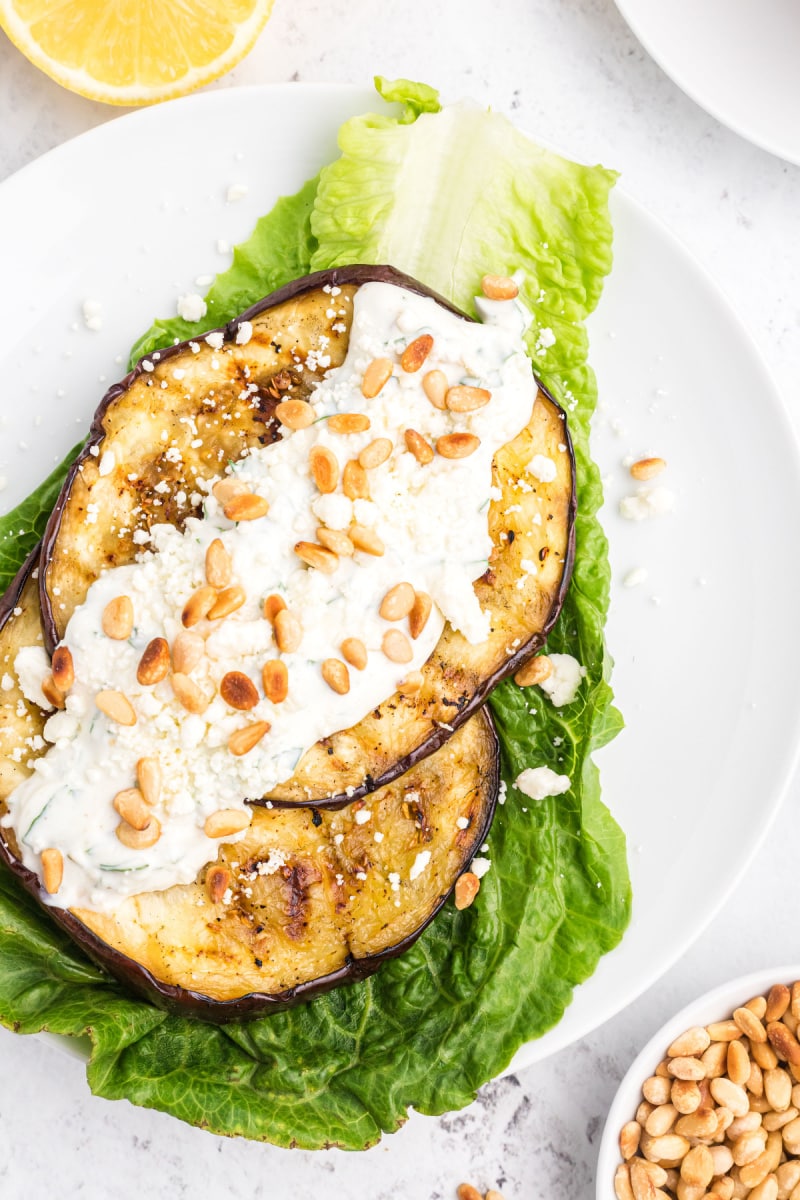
(433, 521)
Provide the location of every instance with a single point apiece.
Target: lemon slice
(134, 51)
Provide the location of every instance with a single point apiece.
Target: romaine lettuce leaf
(434, 1025)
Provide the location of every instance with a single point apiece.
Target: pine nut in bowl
(710, 1108)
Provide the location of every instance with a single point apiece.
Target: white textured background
(570, 72)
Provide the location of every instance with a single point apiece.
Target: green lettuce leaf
(434, 1025)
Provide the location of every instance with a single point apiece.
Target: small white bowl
(716, 1005)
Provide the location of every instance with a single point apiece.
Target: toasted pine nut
(275, 678)
(246, 507)
(149, 776)
(777, 1002)
(418, 617)
(492, 1195)
(778, 1088)
(465, 1191)
(355, 484)
(746, 1147)
(723, 1031)
(324, 467)
(198, 606)
(722, 1159)
(788, 1176)
(766, 1162)
(750, 1025)
(697, 1168)
(766, 1190)
(758, 1005)
(272, 606)
(499, 287)
(622, 1183)
(243, 740)
(118, 618)
(225, 822)
(187, 650)
(773, 1121)
(396, 646)
(228, 601)
(629, 1139)
(348, 423)
(377, 374)
(355, 652)
(791, 1136)
(155, 662)
(189, 694)
(647, 468)
(657, 1090)
(730, 1095)
(685, 1095)
(738, 1063)
(435, 385)
(288, 631)
(794, 1005)
(764, 1055)
(238, 690)
(714, 1059)
(693, 1041)
(375, 454)
(295, 414)
(116, 706)
(686, 1067)
(317, 557)
(755, 1080)
(218, 880)
(335, 540)
(52, 870)
(457, 445)
(63, 668)
(225, 489)
(467, 887)
(699, 1124)
(411, 684)
(462, 399)
(784, 1042)
(336, 675)
(52, 694)
(366, 540)
(534, 671)
(416, 352)
(398, 602)
(130, 805)
(661, 1119)
(643, 1112)
(219, 565)
(671, 1147)
(139, 839)
(417, 445)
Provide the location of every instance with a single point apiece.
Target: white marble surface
(572, 73)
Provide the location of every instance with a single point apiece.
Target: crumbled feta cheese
(635, 577)
(646, 503)
(462, 823)
(419, 865)
(7, 682)
(236, 191)
(244, 333)
(107, 463)
(362, 816)
(215, 339)
(192, 307)
(542, 468)
(565, 679)
(541, 782)
(93, 315)
(479, 867)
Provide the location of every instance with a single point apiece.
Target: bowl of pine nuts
(710, 1109)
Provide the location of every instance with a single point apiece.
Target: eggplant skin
(532, 522)
(330, 914)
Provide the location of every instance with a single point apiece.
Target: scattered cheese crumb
(236, 191)
(563, 683)
(540, 782)
(244, 333)
(646, 503)
(542, 468)
(107, 463)
(420, 863)
(362, 816)
(92, 315)
(635, 577)
(479, 867)
(215, 339)
(462, 823)
(192, 307)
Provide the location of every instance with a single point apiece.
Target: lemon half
(134, 51)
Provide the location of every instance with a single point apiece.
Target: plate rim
(761, 141)
(552, 1040)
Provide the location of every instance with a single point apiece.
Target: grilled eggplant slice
(308, 901)
(179, 418)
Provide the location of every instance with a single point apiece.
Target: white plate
(716, 1005)
(738, 60)
(129, 215)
